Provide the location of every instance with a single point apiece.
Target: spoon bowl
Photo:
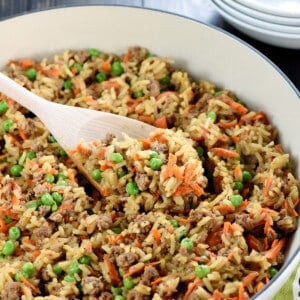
(71, 124)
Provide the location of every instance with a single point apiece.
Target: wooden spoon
(69, 124)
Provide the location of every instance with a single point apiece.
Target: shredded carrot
(227, 227)
(7, 212)
(178, 173)
(182, 190)
(259, 116)
(259, 287)
(26, 63)
(105, 192)
(71, 175)
(267, 187)
(52, 72)
(90, 100)
(278, 147)
(127, 57)
(132, 104)
(214, 238)
(247, 280)
(170, 165)
(275, 249)
(156, 281)
(192, 286)
(134, 270)
(224, 208)
(3, 227)
(167, 94)
(236, 139)
(197, 188)
(146, 119)
(36, 253)
(16, 194)
(185, 221)
(161, 122)
(253, 242)
(290, 209)
(66, 206)
(146, 143)
(188, 172)
(110, 84)
(106, 66)
(156, 235)
(227, 125)
(237, 173)
(101, 154)
(217, 295)
(226, 153)
(29, 284)
(112, 270)
(22, 134)
(237, 107)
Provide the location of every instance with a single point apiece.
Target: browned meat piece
(104, 222)
(144, 223)
(245, 221)
(91, 285)
(154, 88)
(159, 147)
(250, 159)
(142, 180)
(108, 139)
(42, 232)
(135, 295)
(106, 296)
(127, 259)
(81, 56)
(44, 210)
(40, 189)
(56, 217)
(286, 223)
(12, 291)
(149, 275)
(45, 274)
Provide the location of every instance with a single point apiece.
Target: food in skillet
(202, 209)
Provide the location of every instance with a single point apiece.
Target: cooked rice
(201, 209)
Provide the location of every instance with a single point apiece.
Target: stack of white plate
(276, 22)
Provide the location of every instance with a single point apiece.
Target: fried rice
(203, 208)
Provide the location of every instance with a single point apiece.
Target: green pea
(238, 185)
(31, 155)
(200, 151)
(96, 174)
(119, 297)
(116, 68)
(3, 107)
(236, 200)
(121, 272)
(132, 188)
(116, 290)
(8, 248)
(116, 230)
(14, 233)
(128, 283)
(154, 154)
(33, 204)
(187, 243)
(57, 197)
(85, 260)
(16, 170)
(121, 172)
(62, 153)
(49, 178)
(31, 74)
(69, 278)
(78, 67)
(61, 175)
(116, 157)
(165, 80)
(273, 271)
(57, 269)
(212, 115)
(218, 93)
(138, 94)
(101, 77)
(8, 220)
(74, 268)
(18, 276)
(202, 271)
(47, 199)
(247, 176)
(52, 139)
(156, 163)
(7, 124)
(61, 182)
(93, 52)
(54, 207)
(28, 268)
(174, 223)
(68, 85)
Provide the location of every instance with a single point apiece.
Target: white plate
(284, 8)
(263, 16)
(205, 51)
(256, 22)
(279, 39)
